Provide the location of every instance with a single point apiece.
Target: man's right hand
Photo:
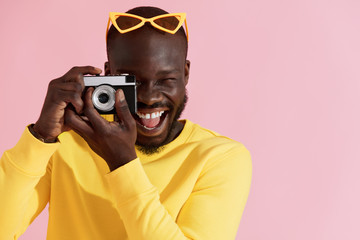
(62, 91)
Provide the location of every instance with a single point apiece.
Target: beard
(149, 149)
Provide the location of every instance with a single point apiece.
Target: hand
(113, 141)
(61, 92)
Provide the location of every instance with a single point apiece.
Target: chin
(156, 136)
(157, 126)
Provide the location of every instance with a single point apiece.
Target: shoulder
(210, 139)
(227, 163)
(218, 148)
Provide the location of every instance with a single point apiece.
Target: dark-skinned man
(142, 176)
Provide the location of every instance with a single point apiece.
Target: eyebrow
(167, 72)
(159, 73)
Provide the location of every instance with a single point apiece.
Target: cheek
(175, 93)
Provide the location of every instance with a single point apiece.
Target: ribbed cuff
(128, 181)
(30, 155)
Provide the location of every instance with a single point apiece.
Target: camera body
(103, 97)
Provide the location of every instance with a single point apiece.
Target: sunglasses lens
(169, 23)
(125, 22)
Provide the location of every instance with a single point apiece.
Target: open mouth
(151, 120)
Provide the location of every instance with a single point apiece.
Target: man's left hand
(113, 141)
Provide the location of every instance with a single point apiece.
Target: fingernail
(122, 97)
(98, 69)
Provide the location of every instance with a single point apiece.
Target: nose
(148, 94)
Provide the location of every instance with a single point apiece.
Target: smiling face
(158, 60)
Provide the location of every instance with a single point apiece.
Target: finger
(90, 112)
(70, 97)
(73, 73)
(71, 86)
(77, 84)
(79, 79)
(77, 87)
(122, 109)
(76, 123)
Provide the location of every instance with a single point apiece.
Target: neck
(175, 132)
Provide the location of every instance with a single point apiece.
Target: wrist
(113, 165)
(36, 133)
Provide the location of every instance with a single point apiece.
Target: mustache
(155, 105)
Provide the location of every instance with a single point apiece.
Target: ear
(187, 71)
(107, 68)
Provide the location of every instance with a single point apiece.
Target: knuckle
(74, 69)
(68, 119)
(75, 95)
(71, 96)
(132, 124)
(87, 111)
(106, 133)
(124, 107)
(76, 78)
(55, 95)
(77, 87)
(52, 83)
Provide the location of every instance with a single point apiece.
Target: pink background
(282, 77)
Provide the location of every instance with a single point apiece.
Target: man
(146, 176)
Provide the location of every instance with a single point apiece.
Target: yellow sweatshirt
(196, 188)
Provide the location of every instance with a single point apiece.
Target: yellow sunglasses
(126, 22)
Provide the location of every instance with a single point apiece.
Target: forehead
(146, 49)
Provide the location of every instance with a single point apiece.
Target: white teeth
(152, 115)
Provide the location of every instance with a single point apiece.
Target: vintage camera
(105, 87)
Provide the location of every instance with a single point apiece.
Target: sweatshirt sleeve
(212, 211)
(24, 184)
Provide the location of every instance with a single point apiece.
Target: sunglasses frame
(114, 15)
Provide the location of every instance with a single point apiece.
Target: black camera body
(103, 97)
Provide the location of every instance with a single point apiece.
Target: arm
(24, 180)
(24, 184)
(212, 211)
(215, 207)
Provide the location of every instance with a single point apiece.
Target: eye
(167, 81)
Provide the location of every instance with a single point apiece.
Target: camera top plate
(122, 80)
(126, 82)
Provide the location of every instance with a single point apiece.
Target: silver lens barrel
(103, 98)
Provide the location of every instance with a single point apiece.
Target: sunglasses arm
(187, 32)
(107, 29)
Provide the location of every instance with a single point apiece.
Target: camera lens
(103, 98)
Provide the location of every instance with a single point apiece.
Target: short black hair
(147, 12)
